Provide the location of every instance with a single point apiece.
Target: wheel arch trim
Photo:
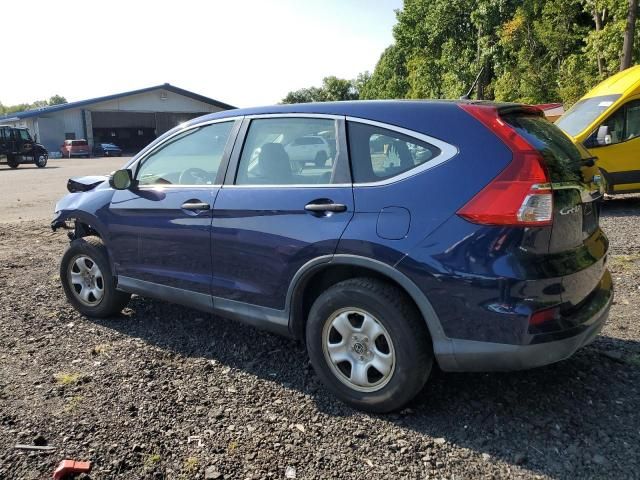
(441, 343)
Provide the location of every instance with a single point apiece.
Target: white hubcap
(358, 349)
(86, 281)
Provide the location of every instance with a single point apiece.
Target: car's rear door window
(379, 154)
(288, 151)
(192, 157)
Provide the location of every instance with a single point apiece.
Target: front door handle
(194, 205)
(325, 207)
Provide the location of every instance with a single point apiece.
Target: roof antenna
(467, 96)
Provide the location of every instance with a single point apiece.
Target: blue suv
(460, 233)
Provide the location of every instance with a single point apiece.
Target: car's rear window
(378, 154)
(79, 143)
(562, 157)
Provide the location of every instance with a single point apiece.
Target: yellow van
(607, 122)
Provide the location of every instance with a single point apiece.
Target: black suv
(17, 146)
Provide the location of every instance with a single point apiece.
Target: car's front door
(160, 229)
(620, 156)
(25, 142)
(271, 218)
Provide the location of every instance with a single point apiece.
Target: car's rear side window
(378, 153)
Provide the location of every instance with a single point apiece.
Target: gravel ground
(167, 392)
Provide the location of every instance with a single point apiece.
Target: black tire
(112, 301)
(410, 342)
(321, 159)
(12, 162)
(41, 160)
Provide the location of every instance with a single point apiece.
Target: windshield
(583, 113)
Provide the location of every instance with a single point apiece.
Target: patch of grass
(152, 460)
(73, 403)
(191, 465)
(100, 349)
(625, 262)
(67, 378)
(231, 448)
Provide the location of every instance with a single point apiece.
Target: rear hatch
(577, 245)
(79, 146)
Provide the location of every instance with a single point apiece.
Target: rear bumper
(476, 356)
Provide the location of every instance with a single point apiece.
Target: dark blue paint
(261, 236)
(393, 223)
(483, 282)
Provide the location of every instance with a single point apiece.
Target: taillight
(543, 316)
(521, 194)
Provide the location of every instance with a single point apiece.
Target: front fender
(84, 207)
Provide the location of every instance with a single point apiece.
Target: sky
(241, 52)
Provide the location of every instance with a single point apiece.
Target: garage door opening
(130, 140)
(132, 131)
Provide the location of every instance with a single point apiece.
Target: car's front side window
(272, 153)
(377, 153)
(190, 158)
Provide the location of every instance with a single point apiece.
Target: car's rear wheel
(87, 280)
(12, 162)
(321, 159)
(368, 344)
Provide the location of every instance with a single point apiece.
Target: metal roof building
(130, 119)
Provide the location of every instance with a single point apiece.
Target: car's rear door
(160, 229)
(270, 218)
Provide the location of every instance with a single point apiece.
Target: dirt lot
(30, 193)
(167, 392)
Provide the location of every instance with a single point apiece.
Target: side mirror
(603, 137)
(121, 179)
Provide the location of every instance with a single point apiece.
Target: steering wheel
(194, 176)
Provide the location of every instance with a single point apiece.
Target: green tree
(533, 51)
(57, 100)
(21, 107)
(332, 89)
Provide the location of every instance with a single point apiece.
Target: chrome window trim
(172, 186)
(295, 115)
(447, 152)
(293, 185)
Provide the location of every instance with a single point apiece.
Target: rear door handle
(189, 205)
(325, 207)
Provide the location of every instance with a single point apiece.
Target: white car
(310, 148)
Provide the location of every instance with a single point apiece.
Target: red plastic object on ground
(67, 467)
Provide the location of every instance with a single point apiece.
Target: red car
(75, 148)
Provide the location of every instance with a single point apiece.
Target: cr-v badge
(570, 210)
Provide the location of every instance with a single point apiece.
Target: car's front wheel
(368, 344)
(87, 280)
